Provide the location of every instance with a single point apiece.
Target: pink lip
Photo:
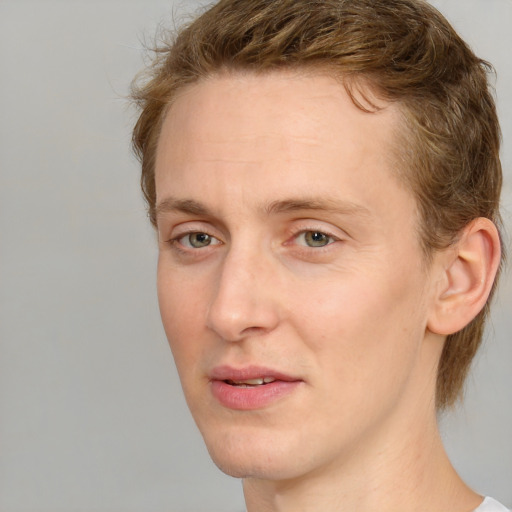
(250, 398)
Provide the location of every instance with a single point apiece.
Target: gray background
(91, 413)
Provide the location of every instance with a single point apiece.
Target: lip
(226, 372)
(250, 398)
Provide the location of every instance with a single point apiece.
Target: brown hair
(407, 53)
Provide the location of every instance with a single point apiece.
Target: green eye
(197, 240)
(316, 238)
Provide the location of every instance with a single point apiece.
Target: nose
(245, 302)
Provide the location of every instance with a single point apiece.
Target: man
(324, 179)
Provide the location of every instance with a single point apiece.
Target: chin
(260, 467)
(261, 455)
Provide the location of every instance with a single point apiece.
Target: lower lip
(250, 398)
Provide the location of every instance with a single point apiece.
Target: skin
(251, 166)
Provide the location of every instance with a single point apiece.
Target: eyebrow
(331, 205)
(189, 206)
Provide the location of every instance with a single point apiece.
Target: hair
(402, 50)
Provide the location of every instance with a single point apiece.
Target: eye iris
(316, 239)
(199, 240)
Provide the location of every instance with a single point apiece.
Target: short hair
(405, 52)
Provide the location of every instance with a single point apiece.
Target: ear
(467, 271)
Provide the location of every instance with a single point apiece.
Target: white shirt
(491, 505)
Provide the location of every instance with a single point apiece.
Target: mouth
(250, 388)
(250, 383)
(249, 375)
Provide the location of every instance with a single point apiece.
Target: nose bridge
(244, 302)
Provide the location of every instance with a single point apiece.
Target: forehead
(297, 131)
(297, 103)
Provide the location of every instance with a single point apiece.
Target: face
(290, 277)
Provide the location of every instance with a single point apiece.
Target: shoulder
(491, 505)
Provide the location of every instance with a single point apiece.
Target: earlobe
(469, 268)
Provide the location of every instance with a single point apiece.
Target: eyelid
(298, 228)
(307, 226)
(187, 227)
(174, 233)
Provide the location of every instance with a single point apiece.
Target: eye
(314, 239)
(197, 240)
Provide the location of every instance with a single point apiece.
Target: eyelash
(303, 232)
(178, 246)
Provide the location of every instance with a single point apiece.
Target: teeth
(253, 382)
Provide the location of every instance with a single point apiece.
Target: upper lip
(226, 372)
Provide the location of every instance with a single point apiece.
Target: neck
(403, 468)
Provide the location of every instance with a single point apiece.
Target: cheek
(362, 326)
(366, 344)
(180, 312)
